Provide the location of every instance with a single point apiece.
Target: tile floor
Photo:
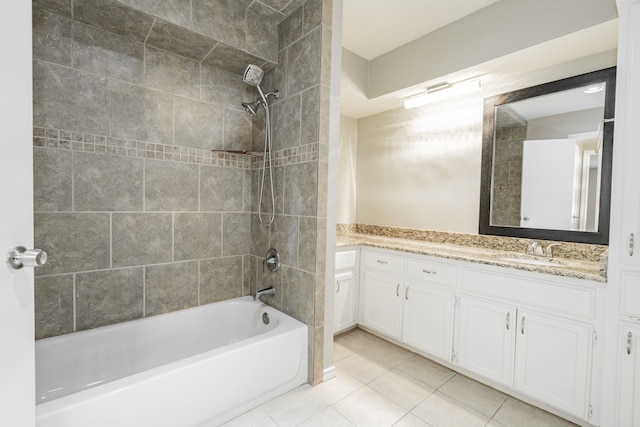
(381, 384)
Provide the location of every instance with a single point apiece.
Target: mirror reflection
(547, 152)
(547, 160)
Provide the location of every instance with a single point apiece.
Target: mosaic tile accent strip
(100, 144)
(577, 251)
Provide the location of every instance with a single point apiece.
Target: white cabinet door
(485, 338)
(628, 411)
(344, 303)
(381, 303)
(553, 361)
(626, 174)
(428, 319)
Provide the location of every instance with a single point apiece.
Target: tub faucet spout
(264, 292)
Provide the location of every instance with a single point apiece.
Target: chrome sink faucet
(547, 251)
(535, 248)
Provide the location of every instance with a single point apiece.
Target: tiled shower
(141, 198)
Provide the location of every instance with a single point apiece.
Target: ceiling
(373, 27)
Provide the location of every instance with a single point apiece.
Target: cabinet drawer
(345, 259)
(383, 262)
(545, 294)
(431, 271)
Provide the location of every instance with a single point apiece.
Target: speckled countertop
(567, 267)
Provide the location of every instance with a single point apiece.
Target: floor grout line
(369, 351)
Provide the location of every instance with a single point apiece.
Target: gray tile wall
(190, 28)
(138, 215)
(507, 176)
(300, 124)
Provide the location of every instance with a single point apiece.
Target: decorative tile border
(578, 251)
(100, 144)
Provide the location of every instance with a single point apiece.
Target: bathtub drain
(265, 318)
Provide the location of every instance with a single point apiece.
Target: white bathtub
(196, 367)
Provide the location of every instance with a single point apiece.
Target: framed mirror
(546, 160)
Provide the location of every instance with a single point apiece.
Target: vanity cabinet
(346, 284)
(526, 332)
(409, 299)
(628, 402)
(531, 334)
(485, 338)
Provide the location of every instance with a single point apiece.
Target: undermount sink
(530, 259)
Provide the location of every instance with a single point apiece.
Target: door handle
(20, 256)
(337, 286)
(508, 320)
(406, 293)
(398, 290)
(629, 340)
(522, 325)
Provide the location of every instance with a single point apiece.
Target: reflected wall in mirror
(546, 160)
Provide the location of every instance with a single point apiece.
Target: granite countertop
(578, 269)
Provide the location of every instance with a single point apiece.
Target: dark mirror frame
(601, 236)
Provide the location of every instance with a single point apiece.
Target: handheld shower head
(253, 75)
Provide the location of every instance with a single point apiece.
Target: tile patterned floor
(381, 384)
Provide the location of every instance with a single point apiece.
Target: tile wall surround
(223, 33)
(138, 202)
(507, 190)
(577, 251)
(101, 144)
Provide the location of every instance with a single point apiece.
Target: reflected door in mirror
(549, 184)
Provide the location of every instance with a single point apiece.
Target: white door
(628, 411)
(548, 184)
(485, 338)
(428, 319)
(553, 361)
(344, 309)
(382, 306)
(17, 378)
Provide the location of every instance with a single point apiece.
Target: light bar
(442, 91)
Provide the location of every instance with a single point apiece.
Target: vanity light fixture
(442, 91)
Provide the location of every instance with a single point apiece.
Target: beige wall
(346, 189)
(421, 168)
